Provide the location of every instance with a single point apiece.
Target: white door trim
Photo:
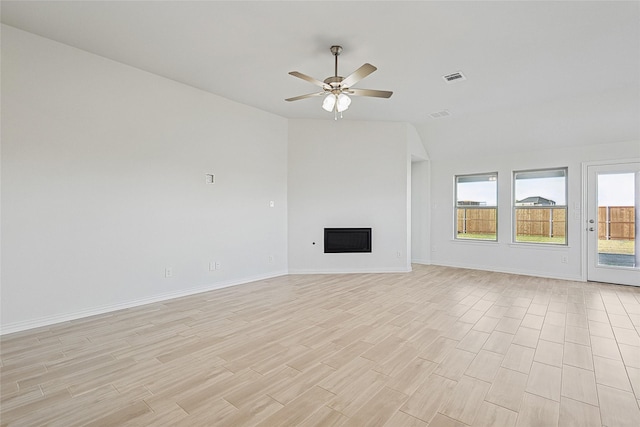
(584, 246)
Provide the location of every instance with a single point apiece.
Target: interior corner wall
(103, 186)
(348, 174)
(504, 256)
(419, 203)
(420, 247)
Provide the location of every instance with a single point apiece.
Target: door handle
(591, 221)
(591, 229)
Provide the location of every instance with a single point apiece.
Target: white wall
(103, 186)
(420, 213)
(592, 119)
(348, 174)
(540, 260)
(103, 170)
(418, 200)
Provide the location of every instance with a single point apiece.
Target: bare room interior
(355, 213)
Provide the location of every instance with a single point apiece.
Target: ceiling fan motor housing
(334, 82)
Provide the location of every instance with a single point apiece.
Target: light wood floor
(438, 346)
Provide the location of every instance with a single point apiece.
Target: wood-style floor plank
(438, 346)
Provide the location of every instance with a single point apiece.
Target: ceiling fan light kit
(338, 103)
(329, 102)
(337, 88)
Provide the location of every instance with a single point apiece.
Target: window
(476, 206)
(540, 206)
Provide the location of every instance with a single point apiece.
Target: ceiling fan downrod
(336, 50)
(335, 81)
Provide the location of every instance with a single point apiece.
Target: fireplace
(343, 240)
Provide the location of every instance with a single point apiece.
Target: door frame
(584, 220)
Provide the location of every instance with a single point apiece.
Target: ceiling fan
(337, 89)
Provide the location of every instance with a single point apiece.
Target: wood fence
(547, 222)
(477, 220)
(616, 223)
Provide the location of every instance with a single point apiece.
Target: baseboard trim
(352, 271)
(11, 328)
(576, 278)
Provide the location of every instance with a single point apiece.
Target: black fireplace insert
(341, 240)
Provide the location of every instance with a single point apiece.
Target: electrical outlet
(272, 204)
(217, 265)
(212, 266)
(564, 259)
(168, 272)
(399, 254)
(271, 259)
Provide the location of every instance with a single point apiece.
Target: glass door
(613, 197)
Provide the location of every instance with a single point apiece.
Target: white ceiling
(515, 55)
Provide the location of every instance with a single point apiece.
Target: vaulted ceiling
(561, 63)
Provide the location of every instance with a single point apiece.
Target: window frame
(456, 206)
(565, 207)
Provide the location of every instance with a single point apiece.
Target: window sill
(544, 246)
(475, 241)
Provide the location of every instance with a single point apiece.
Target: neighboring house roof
(471, 203)
(536, 201)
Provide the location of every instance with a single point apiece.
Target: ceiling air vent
(440, 114)
(454, 77)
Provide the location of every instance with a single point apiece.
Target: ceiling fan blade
(309, 95)
(370, 92)
(358, 75)
(309, 79)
